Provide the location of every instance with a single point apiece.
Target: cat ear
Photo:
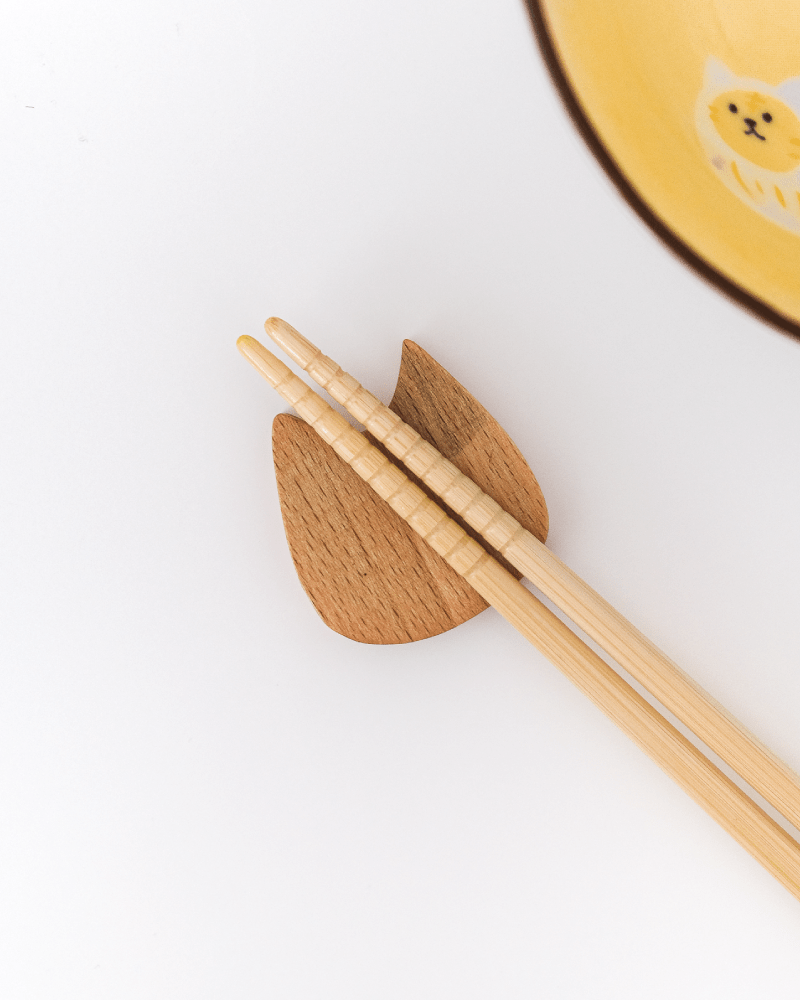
(717, 75)
(789, 91)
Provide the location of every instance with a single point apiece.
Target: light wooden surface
(715, 792)
(369, 576)
(681, 695)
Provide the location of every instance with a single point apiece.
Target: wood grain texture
(369, 576)
(439, 408)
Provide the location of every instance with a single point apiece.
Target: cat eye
(733, 108)
(767, 117)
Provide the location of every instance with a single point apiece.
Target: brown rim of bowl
(670, 239)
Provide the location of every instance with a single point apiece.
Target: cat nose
(751, 122)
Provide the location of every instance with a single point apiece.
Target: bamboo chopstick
(766, 841)
(676, 691)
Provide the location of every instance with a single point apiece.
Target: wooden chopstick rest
(369, 576)
(715, 792)
(676, 691)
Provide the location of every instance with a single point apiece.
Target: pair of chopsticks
(724, 735)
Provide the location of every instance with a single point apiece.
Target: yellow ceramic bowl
(693, 107)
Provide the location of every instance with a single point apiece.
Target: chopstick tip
(272, 368)
(245, 344)
(300, 350)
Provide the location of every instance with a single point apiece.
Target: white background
(206, 793)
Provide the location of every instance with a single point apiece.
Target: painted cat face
(758, 127)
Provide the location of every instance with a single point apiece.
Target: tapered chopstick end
(272, 368)
(300, 350)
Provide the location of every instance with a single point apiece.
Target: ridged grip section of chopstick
(422, 514)
(420, 457)
(665, 680)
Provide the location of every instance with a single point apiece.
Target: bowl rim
(668, 237)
